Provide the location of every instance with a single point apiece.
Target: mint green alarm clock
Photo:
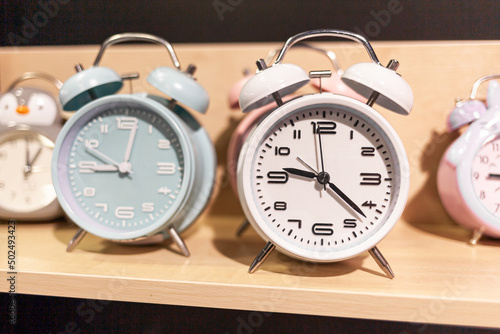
(133, 167)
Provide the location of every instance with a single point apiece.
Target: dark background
(56, 315)
(66, 22)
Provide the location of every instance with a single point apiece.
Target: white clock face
(25, 178)
(486, 175)
(324, 180)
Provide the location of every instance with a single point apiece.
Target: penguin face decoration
(29, 106)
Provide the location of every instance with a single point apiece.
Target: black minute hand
(346, 199)
(300, 172)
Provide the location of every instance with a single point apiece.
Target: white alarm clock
(30, 120)
(324, 177)
(468, 175)
(133, 168)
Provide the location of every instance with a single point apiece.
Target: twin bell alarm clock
(134, 168)
(30, 120)
(324, 177)
(468, 176)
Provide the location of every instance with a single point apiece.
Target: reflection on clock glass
(486, 175)
(25, 178)
(126, 168)
(325, 178)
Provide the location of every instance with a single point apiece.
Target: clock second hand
(332, 186)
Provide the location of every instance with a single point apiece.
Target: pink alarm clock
(468, 175)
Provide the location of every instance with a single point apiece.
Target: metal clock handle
(328, 53)
(137, 37)
(36, 75)
(479, 82)
(327, 33)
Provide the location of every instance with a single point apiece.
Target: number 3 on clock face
(324, 178)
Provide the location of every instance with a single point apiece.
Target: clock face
(326, 181)
(25, 179)
(486, 175)
(124, 167)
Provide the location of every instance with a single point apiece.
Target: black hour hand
(300, 172)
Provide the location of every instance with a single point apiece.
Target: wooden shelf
(439, 278)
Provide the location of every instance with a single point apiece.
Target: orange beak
(23, 110)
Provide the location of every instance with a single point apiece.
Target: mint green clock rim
(80, 118)
(205, 162)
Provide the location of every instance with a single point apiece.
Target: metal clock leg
(242, 228)
(264, 253)
(178, 240)
(76, 240)
(476, 235)
(381, 261)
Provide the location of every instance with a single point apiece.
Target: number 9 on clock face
(324, 178)
(123, 168)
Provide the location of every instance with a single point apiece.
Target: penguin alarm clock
(468, 175)
(30, 119)
(324, 177)
(133, 168)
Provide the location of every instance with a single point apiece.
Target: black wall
(52, 22)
